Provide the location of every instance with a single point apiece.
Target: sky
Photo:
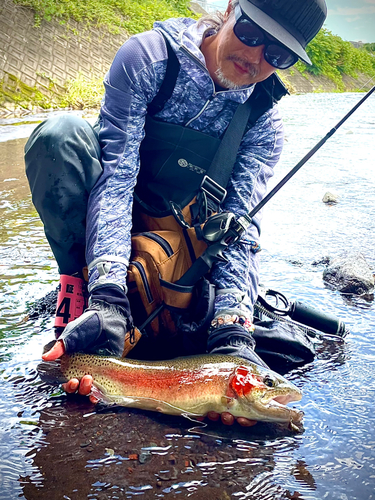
(352, 20)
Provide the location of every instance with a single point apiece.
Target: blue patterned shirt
(132, 82)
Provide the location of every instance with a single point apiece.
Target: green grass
(370, 47)
(134, 16)
(333, 57)
(82, 93)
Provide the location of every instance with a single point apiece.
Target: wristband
(231, 319)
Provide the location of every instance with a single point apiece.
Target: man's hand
(233, 340)
(82, 386)
(229, 419)
(101, 328)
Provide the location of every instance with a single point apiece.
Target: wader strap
(168, 84)
(217, 177)
(264, 95)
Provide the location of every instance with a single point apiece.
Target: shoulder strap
(264, 95)
(218, 174)
(168, 84)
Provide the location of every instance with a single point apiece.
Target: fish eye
(268, 381)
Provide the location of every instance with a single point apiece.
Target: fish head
(264, 394)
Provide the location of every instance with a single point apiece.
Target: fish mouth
(274, 405)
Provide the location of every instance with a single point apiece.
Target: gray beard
(224, 81)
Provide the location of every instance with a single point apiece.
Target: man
(70, 172)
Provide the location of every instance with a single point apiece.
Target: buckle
(178, 215)
(213, 190)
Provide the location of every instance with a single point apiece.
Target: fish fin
(143, 403)
(102, 396)
(98, 393)
(50, 372)
(227, 401)
(49, 346)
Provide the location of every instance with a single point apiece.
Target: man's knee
(64, 145)
(56, 131)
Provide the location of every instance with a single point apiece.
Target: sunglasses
(252, 35)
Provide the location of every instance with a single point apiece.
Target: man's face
(230, 62)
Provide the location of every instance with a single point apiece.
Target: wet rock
(296, 262)
(322, 260)
(84, 445)
(350, 274)
(144, 456)
(330, 198)
(46, 306)
(168, 475)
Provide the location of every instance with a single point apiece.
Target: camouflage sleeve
(237, 280)
(131, 83)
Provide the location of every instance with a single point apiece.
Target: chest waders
(182, 181)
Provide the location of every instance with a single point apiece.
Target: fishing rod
(224, 229)
(306, 158)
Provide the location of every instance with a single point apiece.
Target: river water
(54, 447)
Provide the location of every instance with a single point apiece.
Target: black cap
(294, 23)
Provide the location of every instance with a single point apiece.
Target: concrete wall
(297, 83)
(44, 58)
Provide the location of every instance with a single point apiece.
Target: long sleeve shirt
(132, 82)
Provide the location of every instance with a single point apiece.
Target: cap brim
(274, 29)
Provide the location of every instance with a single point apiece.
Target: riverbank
(83, 94)
(45, 64)
(304, 83)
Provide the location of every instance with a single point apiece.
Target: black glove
(233, 340)
(103, 326)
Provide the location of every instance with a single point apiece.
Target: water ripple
(45, 436)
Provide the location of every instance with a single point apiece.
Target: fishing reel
(219, 231)
(279, 305)
(224, 227)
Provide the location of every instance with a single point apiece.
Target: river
(54, 447)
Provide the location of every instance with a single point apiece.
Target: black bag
(283, 345)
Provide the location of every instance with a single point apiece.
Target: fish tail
(50, 372)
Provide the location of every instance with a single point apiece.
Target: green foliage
(78, 93)
(82, 93)
(134, 16)
(12, 89)
(331, 56)
(370, 47)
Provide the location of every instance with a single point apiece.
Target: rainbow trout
(190, 386)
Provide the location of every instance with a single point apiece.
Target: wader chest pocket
(158, 260)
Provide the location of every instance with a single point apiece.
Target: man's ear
(228, 10)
